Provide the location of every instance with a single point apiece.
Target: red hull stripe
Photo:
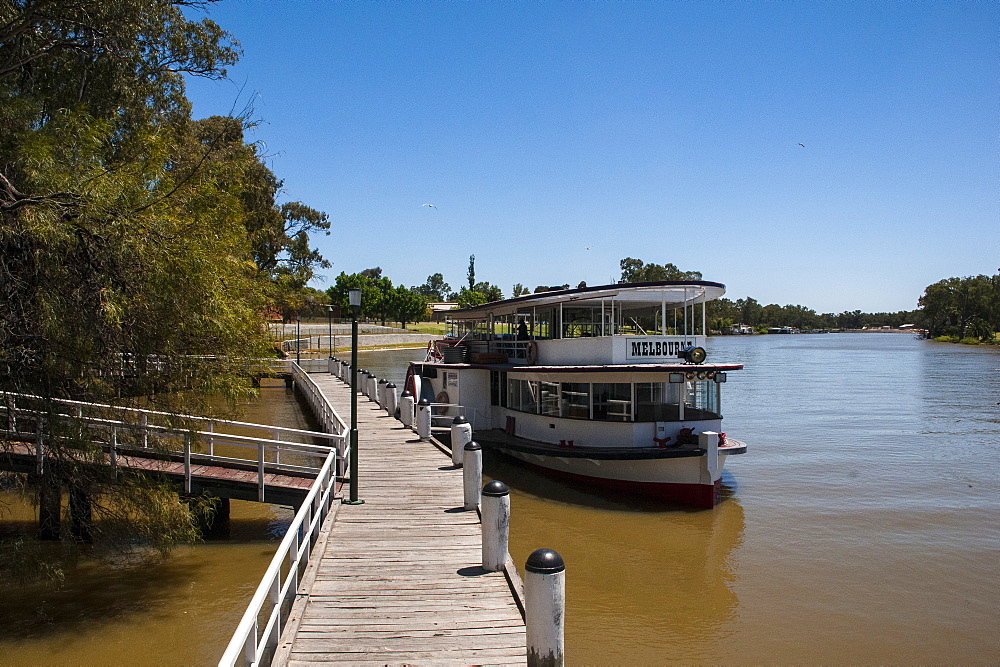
(699, 496)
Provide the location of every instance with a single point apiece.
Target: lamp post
(329, 322)
(298, 341)
(354, 297)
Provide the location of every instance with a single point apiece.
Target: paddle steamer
(606, 385)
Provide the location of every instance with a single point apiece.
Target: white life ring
(442, 397)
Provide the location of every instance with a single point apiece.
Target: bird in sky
(430, 205)
(589, 247)
(803, 145)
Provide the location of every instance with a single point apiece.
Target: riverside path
(399, 579)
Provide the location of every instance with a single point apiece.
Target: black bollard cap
(460, 420)
(472, 446)
(382, 381)
(390, 385)
(496, 489)
(544, 561)
(424, 401)
(406, 394)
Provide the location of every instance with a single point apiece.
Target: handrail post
(114, 449)
(260, 472)
(211, 438)
(250, 646)
(39, 453)
(187, 463)
(143, 423)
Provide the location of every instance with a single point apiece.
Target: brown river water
(862, 527)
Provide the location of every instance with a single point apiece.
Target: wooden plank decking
(399, 580)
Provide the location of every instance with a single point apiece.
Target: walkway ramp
(400, 578)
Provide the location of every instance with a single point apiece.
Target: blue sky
(664, 131)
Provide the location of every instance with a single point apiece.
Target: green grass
(438, 328)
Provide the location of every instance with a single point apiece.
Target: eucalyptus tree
(434, 288)
(637, 271)
(129, 235)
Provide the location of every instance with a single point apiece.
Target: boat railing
(515, 350)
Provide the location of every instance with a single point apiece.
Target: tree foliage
(380, 300)
(962, 307)
(635, 271)
(434, 289)
(134, 242)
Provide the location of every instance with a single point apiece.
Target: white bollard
(406, 408)
(496, 525)
(472, 474)
(424, 419)
(370, 386)
(391, 400)
(331, 364)
(381, 392)
(461, 435)
(545, 607)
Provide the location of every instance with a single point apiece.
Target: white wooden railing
(137, 430)
(259, 630)
(257, 634)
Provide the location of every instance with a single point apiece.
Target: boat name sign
(638, 348)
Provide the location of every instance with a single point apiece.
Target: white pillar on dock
(381, 392)
(424, 419)
(496, 525)
(391, 400)
(472, 474)
(406, 408)
(545, 607)
(461, 435)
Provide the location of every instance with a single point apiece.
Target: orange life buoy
(442, 397)
(531, 352)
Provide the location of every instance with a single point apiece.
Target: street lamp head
(329, 308)
(354, 298)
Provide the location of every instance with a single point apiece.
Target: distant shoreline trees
(964, 309)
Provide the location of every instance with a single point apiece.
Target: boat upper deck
(637, 323)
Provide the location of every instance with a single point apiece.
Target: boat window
(702, 401)
(498, 393)
(575, 401)
(657, 401)
(522, 395)
(612, 401)
(548, 393)
(581, 322)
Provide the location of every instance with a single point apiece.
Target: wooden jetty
(399, 578)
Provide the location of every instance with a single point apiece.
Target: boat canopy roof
(675, 293)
